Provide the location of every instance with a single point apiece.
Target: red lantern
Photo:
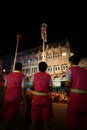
(18, 37)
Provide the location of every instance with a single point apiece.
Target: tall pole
(44, 36)
(43, 49)
(18, 37)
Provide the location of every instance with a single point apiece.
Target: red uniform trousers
(10, 110)
(41, 108)
(77, 111)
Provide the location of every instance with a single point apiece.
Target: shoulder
(23, 75)
(48, 75)
(37, 73)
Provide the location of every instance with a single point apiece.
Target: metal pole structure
(18, 39)
(44, 36)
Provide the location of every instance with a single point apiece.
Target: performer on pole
(44, 32)
(44, 36)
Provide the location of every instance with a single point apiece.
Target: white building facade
(55, 55)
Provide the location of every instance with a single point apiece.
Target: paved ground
(59, 114)
(58, 122)
(59, 111)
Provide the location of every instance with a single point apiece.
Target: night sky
(62, 24)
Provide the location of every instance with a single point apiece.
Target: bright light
(28, 61)
(71, 54)
(63, 54)
(4, 70)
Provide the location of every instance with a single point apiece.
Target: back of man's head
(18, 66)
(42, 66)
(74, 59)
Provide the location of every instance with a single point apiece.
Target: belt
(39, 93)
(79, 91)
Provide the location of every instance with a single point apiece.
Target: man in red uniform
(77, 105)
(1, 91)
(41, 103)
(15, 92)
(1, 88)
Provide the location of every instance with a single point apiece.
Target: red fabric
(79, 77)
(10, 110)
(13, 96)
(13, 90)
(18, 37)
(41, 108)
(77, 111)
(1, 84)
(41, 82)
(41, 105)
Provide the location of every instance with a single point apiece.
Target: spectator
(77, 105)
(29, 97)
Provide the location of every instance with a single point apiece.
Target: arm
(68, 82)
(50, 85)
(23, 90)
(5, 84)
(32, 83)
(68, 78)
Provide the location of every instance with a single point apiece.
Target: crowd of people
(36, 97)
(59, 97)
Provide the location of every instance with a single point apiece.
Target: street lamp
(44, 35)
(18, 37)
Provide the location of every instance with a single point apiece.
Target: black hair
(42, 66)
(18, 66)
(74, 59)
